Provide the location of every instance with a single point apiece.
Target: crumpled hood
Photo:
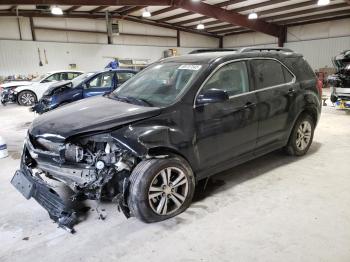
(56, 85)
(16, 83)
(91, 114)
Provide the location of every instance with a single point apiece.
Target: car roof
(209, 57)
(119, 70)
(64, 71)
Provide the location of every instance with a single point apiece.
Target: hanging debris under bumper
(34, 187)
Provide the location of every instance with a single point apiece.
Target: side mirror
(212, 96)
(84, 85)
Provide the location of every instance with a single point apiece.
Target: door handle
(249, 105)
(291, 92)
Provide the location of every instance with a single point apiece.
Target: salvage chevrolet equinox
(147, 144)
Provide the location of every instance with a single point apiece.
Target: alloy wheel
(27, 99)
(168, 191)
(303, 135)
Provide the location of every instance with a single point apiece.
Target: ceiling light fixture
(322, 2)
(253, 16)
(146, 13)
(200, 26)
(55, 10)
(196, 0)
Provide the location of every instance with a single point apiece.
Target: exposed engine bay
(94, 167)
(340, 81)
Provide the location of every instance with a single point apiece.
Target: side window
(123, 77)
(54, 77)
(64, 76)
(288, 77)
(104, 80)
(233, 78)
(76, 75)
(71, 75)
(267, 73)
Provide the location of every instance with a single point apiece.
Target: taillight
(319, 86)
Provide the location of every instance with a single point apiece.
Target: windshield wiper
(131, 100)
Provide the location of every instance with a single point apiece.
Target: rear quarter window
(300, 68)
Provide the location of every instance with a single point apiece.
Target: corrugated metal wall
(317, 42)
(89, 51)
(319, 52)
(21, 57)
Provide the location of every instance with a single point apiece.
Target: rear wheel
(26, 98)
(301, 137)
(160, 189)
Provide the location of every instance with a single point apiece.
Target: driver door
(100, 84)
(227, 130)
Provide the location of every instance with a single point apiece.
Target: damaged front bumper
(43, 106)
(81, 178)
(34, 187)
(8, 96)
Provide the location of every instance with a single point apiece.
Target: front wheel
(26, 98)
(301, 137)
(160, 189)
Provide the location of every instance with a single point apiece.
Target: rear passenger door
(275, 89)
(100, 84)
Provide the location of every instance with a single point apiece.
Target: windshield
(39, 78)
(76, 81)
(159, 85)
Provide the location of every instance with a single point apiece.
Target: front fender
(142, 140)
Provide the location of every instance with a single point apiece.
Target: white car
(29, 92)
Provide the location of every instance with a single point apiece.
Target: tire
(26, 98)
(334, 98)
(301, 137)
(164, 200)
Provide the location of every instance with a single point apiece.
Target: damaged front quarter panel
(95, 166)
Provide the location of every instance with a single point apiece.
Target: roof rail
(209, 50)
(255, 49)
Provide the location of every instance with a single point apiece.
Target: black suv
(147, 144)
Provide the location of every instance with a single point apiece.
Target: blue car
(85, 85)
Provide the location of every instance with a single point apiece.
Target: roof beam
(13, 8)
(230, 2)
(121, 9)
(27, 13)
(230, 17)
(176, 16)
(165, 10)
(97, 9)
(132, 9)
(89, 2)
(269, 12)
(326, 19)
(219, 27)
(230, 30)
(308, 11)
(222, 4)
(197, 19)
(241, 9)
(313, 17)
(72, 8)
(288, 7)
